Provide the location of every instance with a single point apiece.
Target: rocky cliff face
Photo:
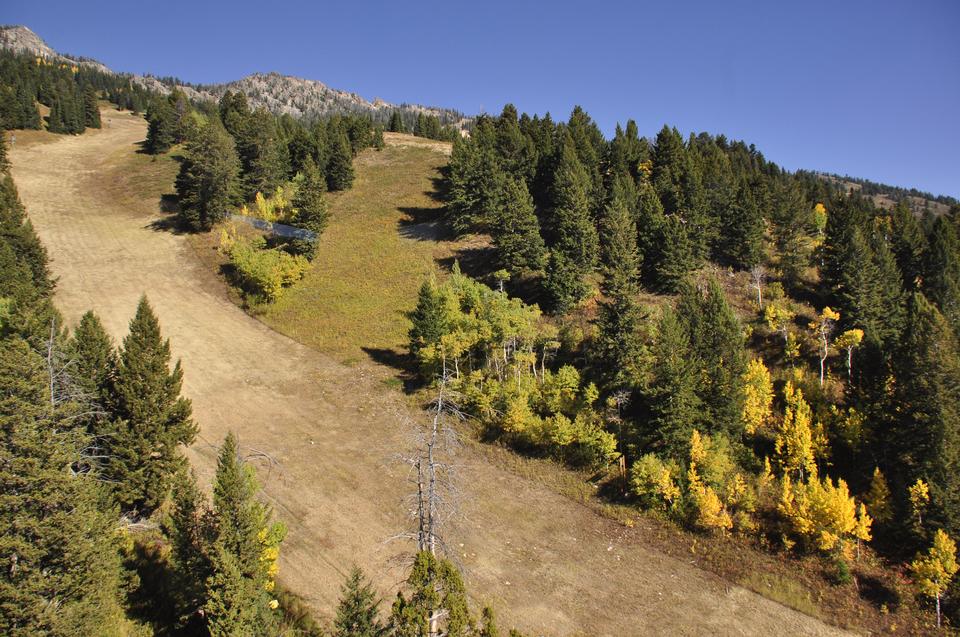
(277, 93)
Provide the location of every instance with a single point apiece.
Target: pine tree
(191, 528)
(28, 256)
(56, 121)
(311, 206)
(618, 351)
(563, 284)
(570, 226)
(263, 160)
(244, 553)
(29, 116)
(152, 419)
(358, 609)
(909, 244)
(429, 318)
(741, 229)
(516, 231)
(672, 401)
(574, 248)
(61, 561)
(396, 123)
(340, 163)
(941, 282)
(161, 129)
(717, 343)
(208, 181)
(673, 258)
(927, 434)
(435, 588)
(94, 357)
(91, 108)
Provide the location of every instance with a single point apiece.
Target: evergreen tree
(941, 282)
(161, 129)
(429, 318)
(717, 344)
(62, 565)
(564, 283)
(477, 182)
(867, 297)
(311, 206)
(94, 357)
(244, 553)
(358, 609)
(208, 183)
(927, 439)
(396, 123)
(436, 589)
(514, 150)
(674, 256)
(516, 231)
(618, 351)
(791, 216)
(672, 402)
(340, 163)
(909, 244)
(28, 115)
(574, 249)
(263, 160)
(56, 120)
(26, 254)
(191, 528)
(91, 108)
(741, 229)
(678, 184)
(153, 420)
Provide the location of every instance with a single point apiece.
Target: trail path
(548, 564)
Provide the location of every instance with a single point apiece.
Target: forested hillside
(764, 353)
(768, 360)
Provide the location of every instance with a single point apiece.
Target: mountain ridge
(279, 93)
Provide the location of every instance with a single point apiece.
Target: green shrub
(265, 272)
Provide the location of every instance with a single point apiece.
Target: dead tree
(433, 474)
(758, 276)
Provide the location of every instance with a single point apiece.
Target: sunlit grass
(380, 245)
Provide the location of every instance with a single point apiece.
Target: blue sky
(867, 88)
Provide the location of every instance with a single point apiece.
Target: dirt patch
(549, 564)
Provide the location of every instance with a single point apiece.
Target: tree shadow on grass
(401, 362)
(424, 224)
(878, 593)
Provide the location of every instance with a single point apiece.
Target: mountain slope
(327, 431)
(280, 94)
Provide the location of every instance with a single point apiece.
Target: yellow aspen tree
(778, 318)
(862, 530)
(878, 498)
(793, 447)
(919, 494)
(708, 508)
(823, 330)
(758, 396)
(849, 341)
(824, 514)
(934, 571)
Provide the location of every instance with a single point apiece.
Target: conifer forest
(751, 369)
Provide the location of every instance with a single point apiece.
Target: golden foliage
(794, 445)
(933, 572)
(824, 514)
(758, 396)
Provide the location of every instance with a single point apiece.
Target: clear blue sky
(867, 88)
